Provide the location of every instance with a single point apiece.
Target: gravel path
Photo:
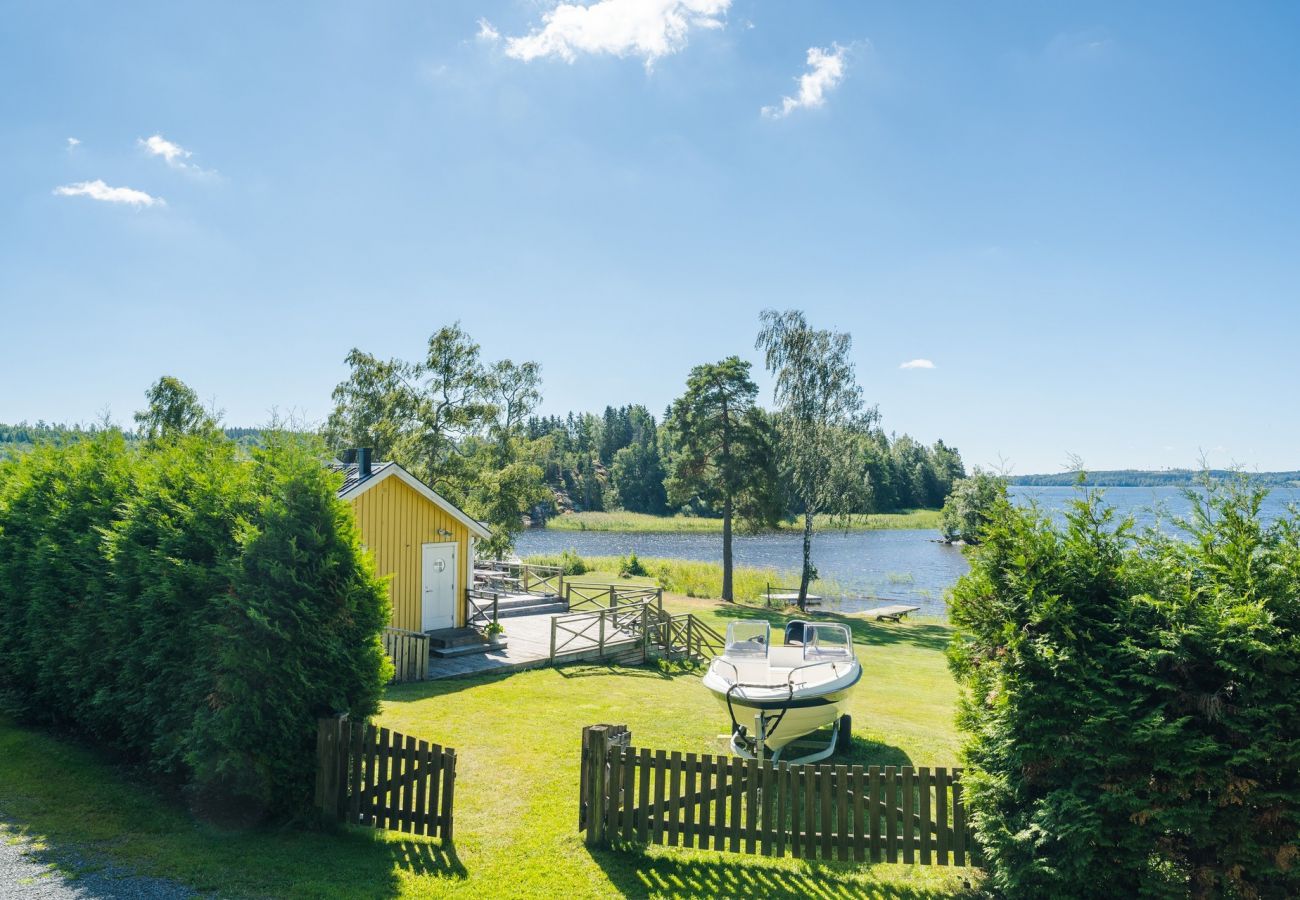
(28, 870)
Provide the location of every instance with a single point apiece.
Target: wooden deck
(890, 613)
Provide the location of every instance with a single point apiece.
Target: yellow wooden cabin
(419, 540)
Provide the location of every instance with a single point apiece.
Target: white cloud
(174, 154)
(72, 142)
(97, 190)
(649, 29)
(918, 364)
(825, 71)
(486, 32)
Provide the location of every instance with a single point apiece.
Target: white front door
(438, 598)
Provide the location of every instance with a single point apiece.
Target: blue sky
(1085, 216)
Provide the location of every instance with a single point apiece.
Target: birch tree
(820, 417)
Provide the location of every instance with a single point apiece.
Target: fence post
(552, 639)
(496, 600)
(596, 787)
(645, 632)
(331, 764)
(601, 640)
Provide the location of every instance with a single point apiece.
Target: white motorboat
(783, 693)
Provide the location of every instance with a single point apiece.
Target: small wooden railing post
(601, 640)
(553, 639)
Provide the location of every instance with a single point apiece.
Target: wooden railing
(892, 813)
(522, 578)
(482, 608)
(372, 776)
(684, 635)
(409, 651)
(622, 631)
(584, 595)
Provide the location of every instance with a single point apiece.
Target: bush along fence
(882, 814)
(372, 776)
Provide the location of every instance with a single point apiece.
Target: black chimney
(363, 463)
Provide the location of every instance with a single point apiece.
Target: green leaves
(453, 421)
(1130, 700)
(190, 608)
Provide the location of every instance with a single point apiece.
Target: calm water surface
(867, 566)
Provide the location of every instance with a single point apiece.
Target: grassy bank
(517, 739)
(629, 521)
(688, 577)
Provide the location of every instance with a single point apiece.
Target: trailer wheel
(845, 739)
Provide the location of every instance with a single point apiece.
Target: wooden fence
(372, 776)
(882, 814)
(582, 595)
(409, 651)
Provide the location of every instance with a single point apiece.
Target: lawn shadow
(926, 635)
(648, 670)
(415, 691)
(425, 858)
(638, 874)
(335, 855)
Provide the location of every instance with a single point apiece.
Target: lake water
(867, 566)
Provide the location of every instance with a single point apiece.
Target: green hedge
(190, 607)
(1132, 702)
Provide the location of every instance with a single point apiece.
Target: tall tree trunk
(807, 560)
(726, 550)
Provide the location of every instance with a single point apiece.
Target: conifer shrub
(190, 608)
(1130, 701)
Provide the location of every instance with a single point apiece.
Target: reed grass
(688, 577)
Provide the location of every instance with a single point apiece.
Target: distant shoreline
(913, 519)
(1154, 478)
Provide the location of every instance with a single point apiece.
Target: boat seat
(796, 633)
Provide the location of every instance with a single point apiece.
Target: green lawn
(517, 738)
(630, 521)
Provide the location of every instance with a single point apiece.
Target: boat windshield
(824, 642)
(747, 639)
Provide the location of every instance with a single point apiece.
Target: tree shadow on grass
(637, 874)
(926, 635)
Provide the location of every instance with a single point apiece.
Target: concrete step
(530, 608)
(453, 638)
(462, 650)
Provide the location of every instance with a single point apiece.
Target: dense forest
(618, 460)
(1161, 478)
(25, 435)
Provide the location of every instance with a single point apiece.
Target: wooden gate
(409, 651)
(890, 813)
(372, 776)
